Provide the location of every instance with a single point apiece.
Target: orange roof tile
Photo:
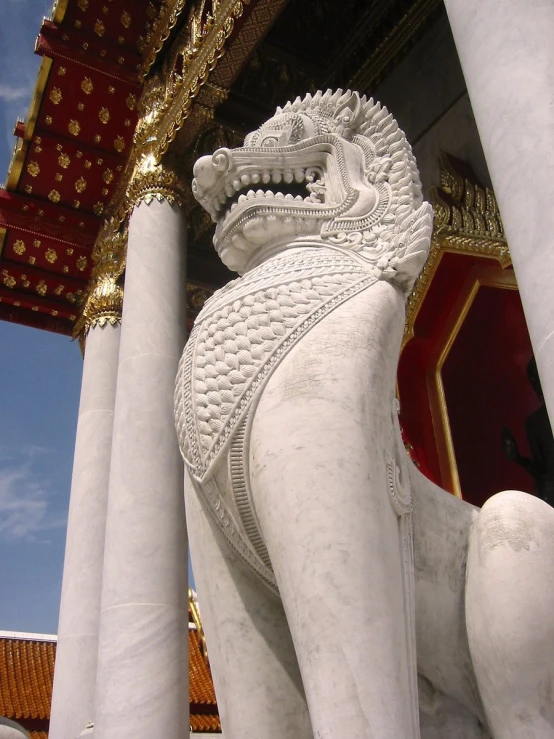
(26, 674)
(199, 724)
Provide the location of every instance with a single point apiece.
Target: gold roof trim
(193, 605)
(20, 149)
(466, 221)
(3, 232)
(168, 97)
(165, 23)
(58, 11)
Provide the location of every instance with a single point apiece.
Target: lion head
(333, 168)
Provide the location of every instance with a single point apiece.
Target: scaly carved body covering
(240, 336)
(296, 474)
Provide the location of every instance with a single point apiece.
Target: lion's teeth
(250, 194)
(233, 206)
(288, 196)
(255, 177)
(288, 176)
(222, 198)
(299, 175)
(299, 198)
(266, 176)
(279, 195)
(245, 179)
(242, 198)
(260, 193)
(276, 177)
(269, 194)
(229, 190)
(237, 184)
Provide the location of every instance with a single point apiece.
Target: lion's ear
(348, 114)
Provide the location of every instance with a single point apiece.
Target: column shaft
(142, 683)
(76, 654)
(507, 56)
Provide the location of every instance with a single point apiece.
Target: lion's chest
(240, 336)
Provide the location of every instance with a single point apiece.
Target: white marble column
(142, 679)
(507, 56)
(77, 648)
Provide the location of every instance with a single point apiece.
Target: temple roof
(27, 673)
(220, 66)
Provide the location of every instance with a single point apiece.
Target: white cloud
(25, 497)
(10, 93)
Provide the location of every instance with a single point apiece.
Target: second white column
(142, 682)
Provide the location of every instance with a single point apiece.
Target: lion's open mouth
(300, 185)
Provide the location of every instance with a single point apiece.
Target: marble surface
(77, 646)
(506, 54)
(11, 730)
(142, 681)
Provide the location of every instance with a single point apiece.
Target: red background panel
(486, 386)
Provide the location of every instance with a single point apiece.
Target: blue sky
(40, 376)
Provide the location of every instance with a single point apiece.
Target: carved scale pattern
(239, 337)
(242, 331)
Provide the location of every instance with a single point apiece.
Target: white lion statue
(343, 594)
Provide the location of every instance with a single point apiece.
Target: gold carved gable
(466, 221)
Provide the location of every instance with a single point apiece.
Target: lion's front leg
(258, 686)
(318, 476)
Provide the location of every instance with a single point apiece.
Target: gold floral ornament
(119, 144)
(104, 115)
(32, 260)
(131, 101)
(86, 85)
(64, 161)
(80, 107)
(125, 19)
(58, 176)
(88, 164)
(81, 264)
(74, 127)
(25, 281)
(7, 279)
(54, 196)
(76, 204)
(48, 120)
(107, 176)
(42, 288)
(51, 256)
(99, 28)
(19, 247)
(33, 169)
(56, 95)
(98, 209)
(28, 189)
(61, 71)
(36, 243)
(59, 289)
(81, 184)
(97, 138)
(83, 5)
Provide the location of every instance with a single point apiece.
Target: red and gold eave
(69, 156)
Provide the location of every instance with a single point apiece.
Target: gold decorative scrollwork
(103, 300)
(466, 221)
(152, 181)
